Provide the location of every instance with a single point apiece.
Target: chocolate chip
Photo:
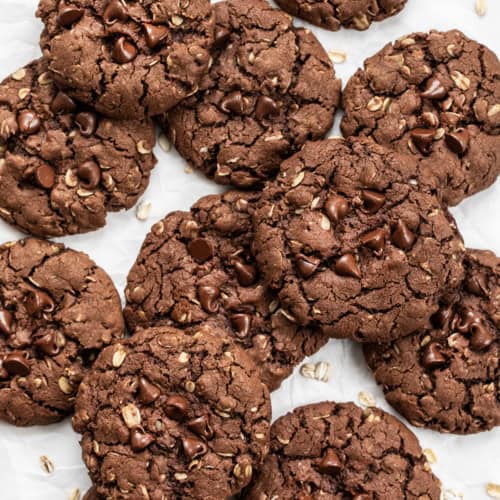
(176, 407)
(38, 302)
(477, 284)
(207, 296)
(245, 273)
(86, 122)
(221, 35)
(374, 239)
(154, 34)
(89, 174)
(48, 344)
(423, 138)
(16, 363)
(402, 237)
(193, 447)
(433, 89)
(330, 463)
(200, 249)
(139, 440)
(467, 319)
(201, 426)
(148, 392)
(457, 141)
(336, 208)
(432, 356)
(62, 103)
(68, 14)
(241, 324)
(307, 265)
(115, 11)
(372, 201)
(482, 337)
(29, 122)
(441, 318)
(265, 107)
(347, 266)
(6, 320)
(233, 103)
(124, 51)
(45, 176)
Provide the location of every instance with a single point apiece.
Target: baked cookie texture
(436, 96)
(333, 14)
(63, 166)
(446, 377)
(337, 451)
(351, 245)
(271, 87)
(198, 266)
(172, 414)
(127, 59)
(58, 309)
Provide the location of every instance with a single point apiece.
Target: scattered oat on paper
(46, 464)
(164, 143)
(337, 56)
(143, 210)
(493, 490)
(481, 7)
(319, 371)
(366, 399)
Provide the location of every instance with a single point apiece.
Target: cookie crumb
(47, 464)
(493, 490)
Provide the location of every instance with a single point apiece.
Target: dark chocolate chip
(45, 176)
(432, 357)
(347, 266)
(115, 11)
(336, 208)
(441, 318)
(140, 440)
(374, 239)
(207, 296)
(16, 363)
(148, 392)
(402, 237)
(62, 103)
(433, 89)
(6, 320)
(482, 337)
(201, 426)
(245, 273)
(221, 35)
(477, 284)
(330, 463)
(89, 174)
(457, 141)
(86, 122)
(423, 138)
(29, 122)
(155, 34)
(467, 319)
(241, 324)
(265, 107)
(124, 51)
(307, 265)
(38, 301)
(234, 103)
(176, 407)
(372, 201)
(69, 14)
(193, 447)
(200, 249)
(48, 344)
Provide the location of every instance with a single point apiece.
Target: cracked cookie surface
(198, 266)
(446, 378)
(128, 59)
(338, 451)
(173, 414)
(437, 96)
(57, 310)
(62, 166)
(332, 14)
(351, 245)
(270, 88)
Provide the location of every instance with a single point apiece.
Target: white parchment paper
(464, 464)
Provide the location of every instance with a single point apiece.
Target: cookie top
(446, 377)
(62, 166)
(351, 245)
(436, 96)
(128, 59)
(332, 14)
(270, 88)
(57, 310)
(339, 451)
(172, 414)
(198, 266)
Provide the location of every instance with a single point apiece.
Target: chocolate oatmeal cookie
(332, 14)
(446, 377)
(198, 266)
(172, 414)
(128, 59)
(436, 96)
(270, 88)
(62, 166)
(338, 451)
(351, 245)
(57, 310)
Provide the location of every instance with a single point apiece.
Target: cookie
(270, 88)
(128, 59)
(172, 414)
(436, 96)
(332, 14)
(338, 451)
(351, 245)
(57, 310)
(62, 166)
(446, 377)
(198, 266)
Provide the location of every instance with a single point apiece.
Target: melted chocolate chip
(441, 318)
(375, 240)
(241, 324)
(330, 463)
(221, 35)
(37, 302)
(433, 89)
(432, 357)
(347, 266)
(62, 103)
(124, 51)
(86, 122)
(114, 12)
(69, 14)
(245, 273)
(200, 249)
(140, 440)
(155, 34)
(423, 139)
(29, 122)
(148, 392)
(193, 447)
(372, 201)
(234, 103)
(336, 208)
(6, 320)
(307, 265)
(466, 321)
(482, 337)
(201, 426)
(477, 284)
(176, 407)
(16, 363)
(45, 176)
(48, 344)
(457, 141)
(402, 237)
(265, 107)
(207, 295)
(89, 174)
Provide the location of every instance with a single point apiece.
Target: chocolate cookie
(446, 377)
(332, 14)
(172, 414)
(270, 88)
(198, 266)
(436, 96)
(128, 59)
(338, 451)
(351, 245)
(57, 310)
(62, 166)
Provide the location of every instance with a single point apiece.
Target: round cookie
(351, 245)
(127, 59)
(338, 451)
(332, 14)
(270, 88)
(446, 378)
(172, 414)
(57, 310)
(198, 266)
(62, 166)
(436, 96)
